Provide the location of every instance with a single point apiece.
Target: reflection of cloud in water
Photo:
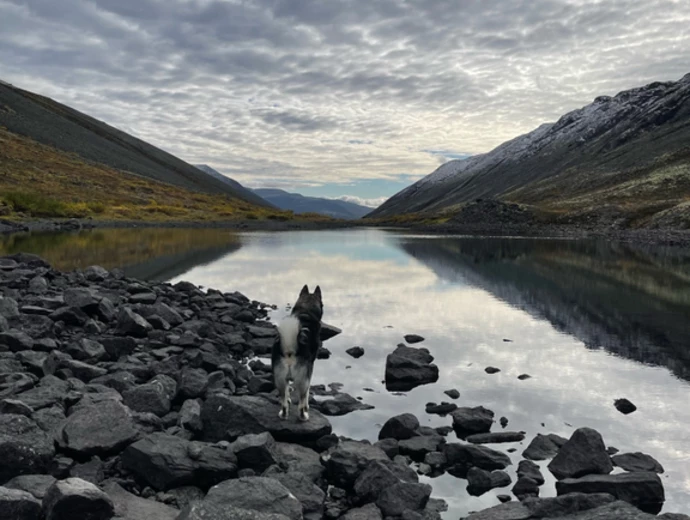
(368, 285)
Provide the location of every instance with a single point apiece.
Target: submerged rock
(637, 462)
(544, 447)
(408, 367)
(583, 454)
(467, 421)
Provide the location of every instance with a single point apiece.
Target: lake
(589, 321)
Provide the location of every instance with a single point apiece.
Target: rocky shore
(126, 399)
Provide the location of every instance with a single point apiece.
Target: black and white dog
(294, 352)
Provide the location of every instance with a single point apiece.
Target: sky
(337, 98)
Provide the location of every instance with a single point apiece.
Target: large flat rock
(229, 417)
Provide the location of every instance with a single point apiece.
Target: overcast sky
(336, 97)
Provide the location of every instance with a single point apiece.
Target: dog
(295, 349)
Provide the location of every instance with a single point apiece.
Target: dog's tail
(289, 329)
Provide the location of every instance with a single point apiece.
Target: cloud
(370, 203)
(276, 90)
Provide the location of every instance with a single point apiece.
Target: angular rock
(404, 496)
(81, 298)
(328, 331)
(255, 451)
(341, 404)
(408, 367)
(193, 383)
(261, 494)
(400, 427)
(417, 447)
(479, 481)
(479, 456)
(76, 498)
(24, 447)
(310, 496)
(13, 406)
(129, 323)
(569, 504)
(413, 338)
(100, 429)
(96, 273)
(467, 421)
(544, 447)
(118, 346)
(527, 468)
(120, 381)
(583, 454)
(8, 307)
(16, 341)
(525, 487)
(373, 480)
(348, 460)
(441, 409)
(492, 370)
(624, 406)
(641, 489)
(637, 462)
(86, 349)
(367, 512)
(37, 485)
(190, 416)
(355, 352)
(495, 438)
(299, 459)
(153, 397)
(229, 417)
(18, 505)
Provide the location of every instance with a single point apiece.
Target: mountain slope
(48, 122)
(630, 151)
(301, 204)
(251, 195)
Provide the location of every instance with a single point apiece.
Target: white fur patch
(289, 329)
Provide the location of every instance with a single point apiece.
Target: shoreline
(652, 237)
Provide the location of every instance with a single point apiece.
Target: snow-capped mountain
(615, 150)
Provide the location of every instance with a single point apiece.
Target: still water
(589, 321)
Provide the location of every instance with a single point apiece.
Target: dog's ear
(304, 291)
(317, 292)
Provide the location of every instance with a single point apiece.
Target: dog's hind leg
(280, 378)
(302, 384)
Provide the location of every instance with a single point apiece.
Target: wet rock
(544, 447)
(165, 462)
(367, 512)
(479, 481)
(492, 370)
(569, 504)
(527, 468)
(348, 460)
(583, 454)
(624, 406)
(413, 338)
(417, 447)
(341, 404)
(37, 485)
(265, 495)
(100, 429)
(436, 460)
(408, 367)
(389, 446)
(373, 480)
(495, 438)
(467, 421)
(637, 462)
(229, 417)
(441, 409)
(504, 498)
(479, 456)
(525, 487)
(129, 323)
(641, 489)
(452, 393)
(24, 447)
(355, 352)
(400, 427)
(404, 496)
(18, 505)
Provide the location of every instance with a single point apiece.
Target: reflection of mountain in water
(626, 300)
(149, 254)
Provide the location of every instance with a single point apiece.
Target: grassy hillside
(40, 181)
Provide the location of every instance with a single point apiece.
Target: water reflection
(589, 322)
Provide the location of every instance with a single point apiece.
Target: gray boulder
(100, 429)
(417, 447)
(255, 451)
(469, 455)
(18, 505)
(348, 460)
(583, 454)
(468, 421)
(367, 512)
(404, 496)
(260, 494)
(544, 447)
(229, 417)
(400, 427)
(131, 507)
(37, 485)
(24, 447)
(153, 397)
(310, 496)
(637, 462)
(129, 323)
(496, 437)
(299, 459)
(75, 498)
(479, 481)
(527, 468)
(205, 510)
(408, 367)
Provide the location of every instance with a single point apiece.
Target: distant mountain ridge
(230, 182)
(59, 126)
(630, 151)
(301, 204)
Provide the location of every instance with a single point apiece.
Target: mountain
(627, 154)
(301, 204)
(233, 184)
(58, 126)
